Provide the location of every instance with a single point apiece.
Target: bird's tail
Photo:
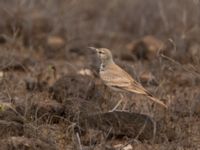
(156, 100)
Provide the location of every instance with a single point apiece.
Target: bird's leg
(124, 106)
(116, 106)
(118, 103)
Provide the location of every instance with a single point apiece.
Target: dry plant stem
(118, 103)
(194, 71)
(116, 106)
(79, 141)
(163, 15)
(154, 130)
(141, 130)
(124, 107)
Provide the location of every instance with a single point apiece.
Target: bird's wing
(117, 78)
(136, 88)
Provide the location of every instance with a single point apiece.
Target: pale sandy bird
(119, 80)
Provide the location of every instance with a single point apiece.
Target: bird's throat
(102, 67)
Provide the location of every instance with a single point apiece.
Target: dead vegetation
(50, 93)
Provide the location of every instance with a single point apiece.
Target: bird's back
(115, 77)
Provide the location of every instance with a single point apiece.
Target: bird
(118, 79)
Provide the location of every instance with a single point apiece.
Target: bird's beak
(93, 49)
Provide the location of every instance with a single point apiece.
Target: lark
(119, 80)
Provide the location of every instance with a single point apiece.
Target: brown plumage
(119, 80)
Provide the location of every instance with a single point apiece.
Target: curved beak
(93, 49)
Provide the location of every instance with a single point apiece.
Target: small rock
(118, 146)
(146, 47)
(119, 123)
(55, 42)
(75, 86)
(148, 78)
(122, 147)
(1, 74)
(85, 72)
(128, 147)
(152, 43)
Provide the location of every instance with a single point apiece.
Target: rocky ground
(51, 96)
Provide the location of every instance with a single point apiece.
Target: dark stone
(121, 124)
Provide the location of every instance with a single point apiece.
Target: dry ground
(47, 94)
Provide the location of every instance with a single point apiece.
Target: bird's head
(104, 54)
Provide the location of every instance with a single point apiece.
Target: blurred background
(64, 25)
(43, 49)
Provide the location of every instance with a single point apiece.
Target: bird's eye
(100, 52)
